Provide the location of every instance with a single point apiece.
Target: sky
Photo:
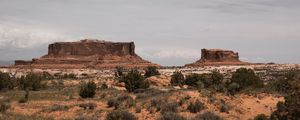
(167, 32)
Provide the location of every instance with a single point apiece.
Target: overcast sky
(168, 32)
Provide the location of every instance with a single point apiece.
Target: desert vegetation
(129, 95)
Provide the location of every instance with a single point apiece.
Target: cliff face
(90, 47)
(88, 54)
(217, 57)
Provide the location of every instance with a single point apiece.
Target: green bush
(120, 115)
(216, 77)
(196, 80)
(196, 107)
(87, 89)
(233, 88)
(6, 81)
(207, 116)
(177, 78)
(151, 71)
(246, 78)
(134, 81)
(171, 116)
(31, 81)
(290, 109)
(285, 84)
(261, 117)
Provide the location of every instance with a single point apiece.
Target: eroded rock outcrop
(218, 57)
(88, 54)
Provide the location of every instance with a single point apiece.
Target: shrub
(87, 89)
(134, 80)
(233, 88)
(171, 116)
(151, 71)
(196, 80)
(6, 81)
(120, 115)
(207, 116)
(246, 78)
(31, 81)
(196, 107)
(261, 117)
(4, 105)
(169, 107)
(216, 77)
(25, 98)
(288, 110)
(177, 79)
(224, 107)
(125, 101)
(285, 84)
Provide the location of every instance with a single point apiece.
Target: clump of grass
(120, 115)
(171, 116)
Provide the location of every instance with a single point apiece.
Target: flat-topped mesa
(217, 57)
(88, 53)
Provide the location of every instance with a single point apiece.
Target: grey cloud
(165, 30)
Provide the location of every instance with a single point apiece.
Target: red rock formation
(88, 54)
(217, 57)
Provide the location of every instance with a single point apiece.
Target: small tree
(134, 80)
(31, 81)
(216, 77)
(246, 78)
(177, 78)
(87, 89)
(151, 71)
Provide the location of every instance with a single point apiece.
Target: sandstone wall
(218, 55)
(88, 48)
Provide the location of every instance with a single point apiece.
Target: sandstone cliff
(88, 54)
(217, 57)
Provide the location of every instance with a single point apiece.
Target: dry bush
(87, 89)
(196, 107)
(120, 115)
